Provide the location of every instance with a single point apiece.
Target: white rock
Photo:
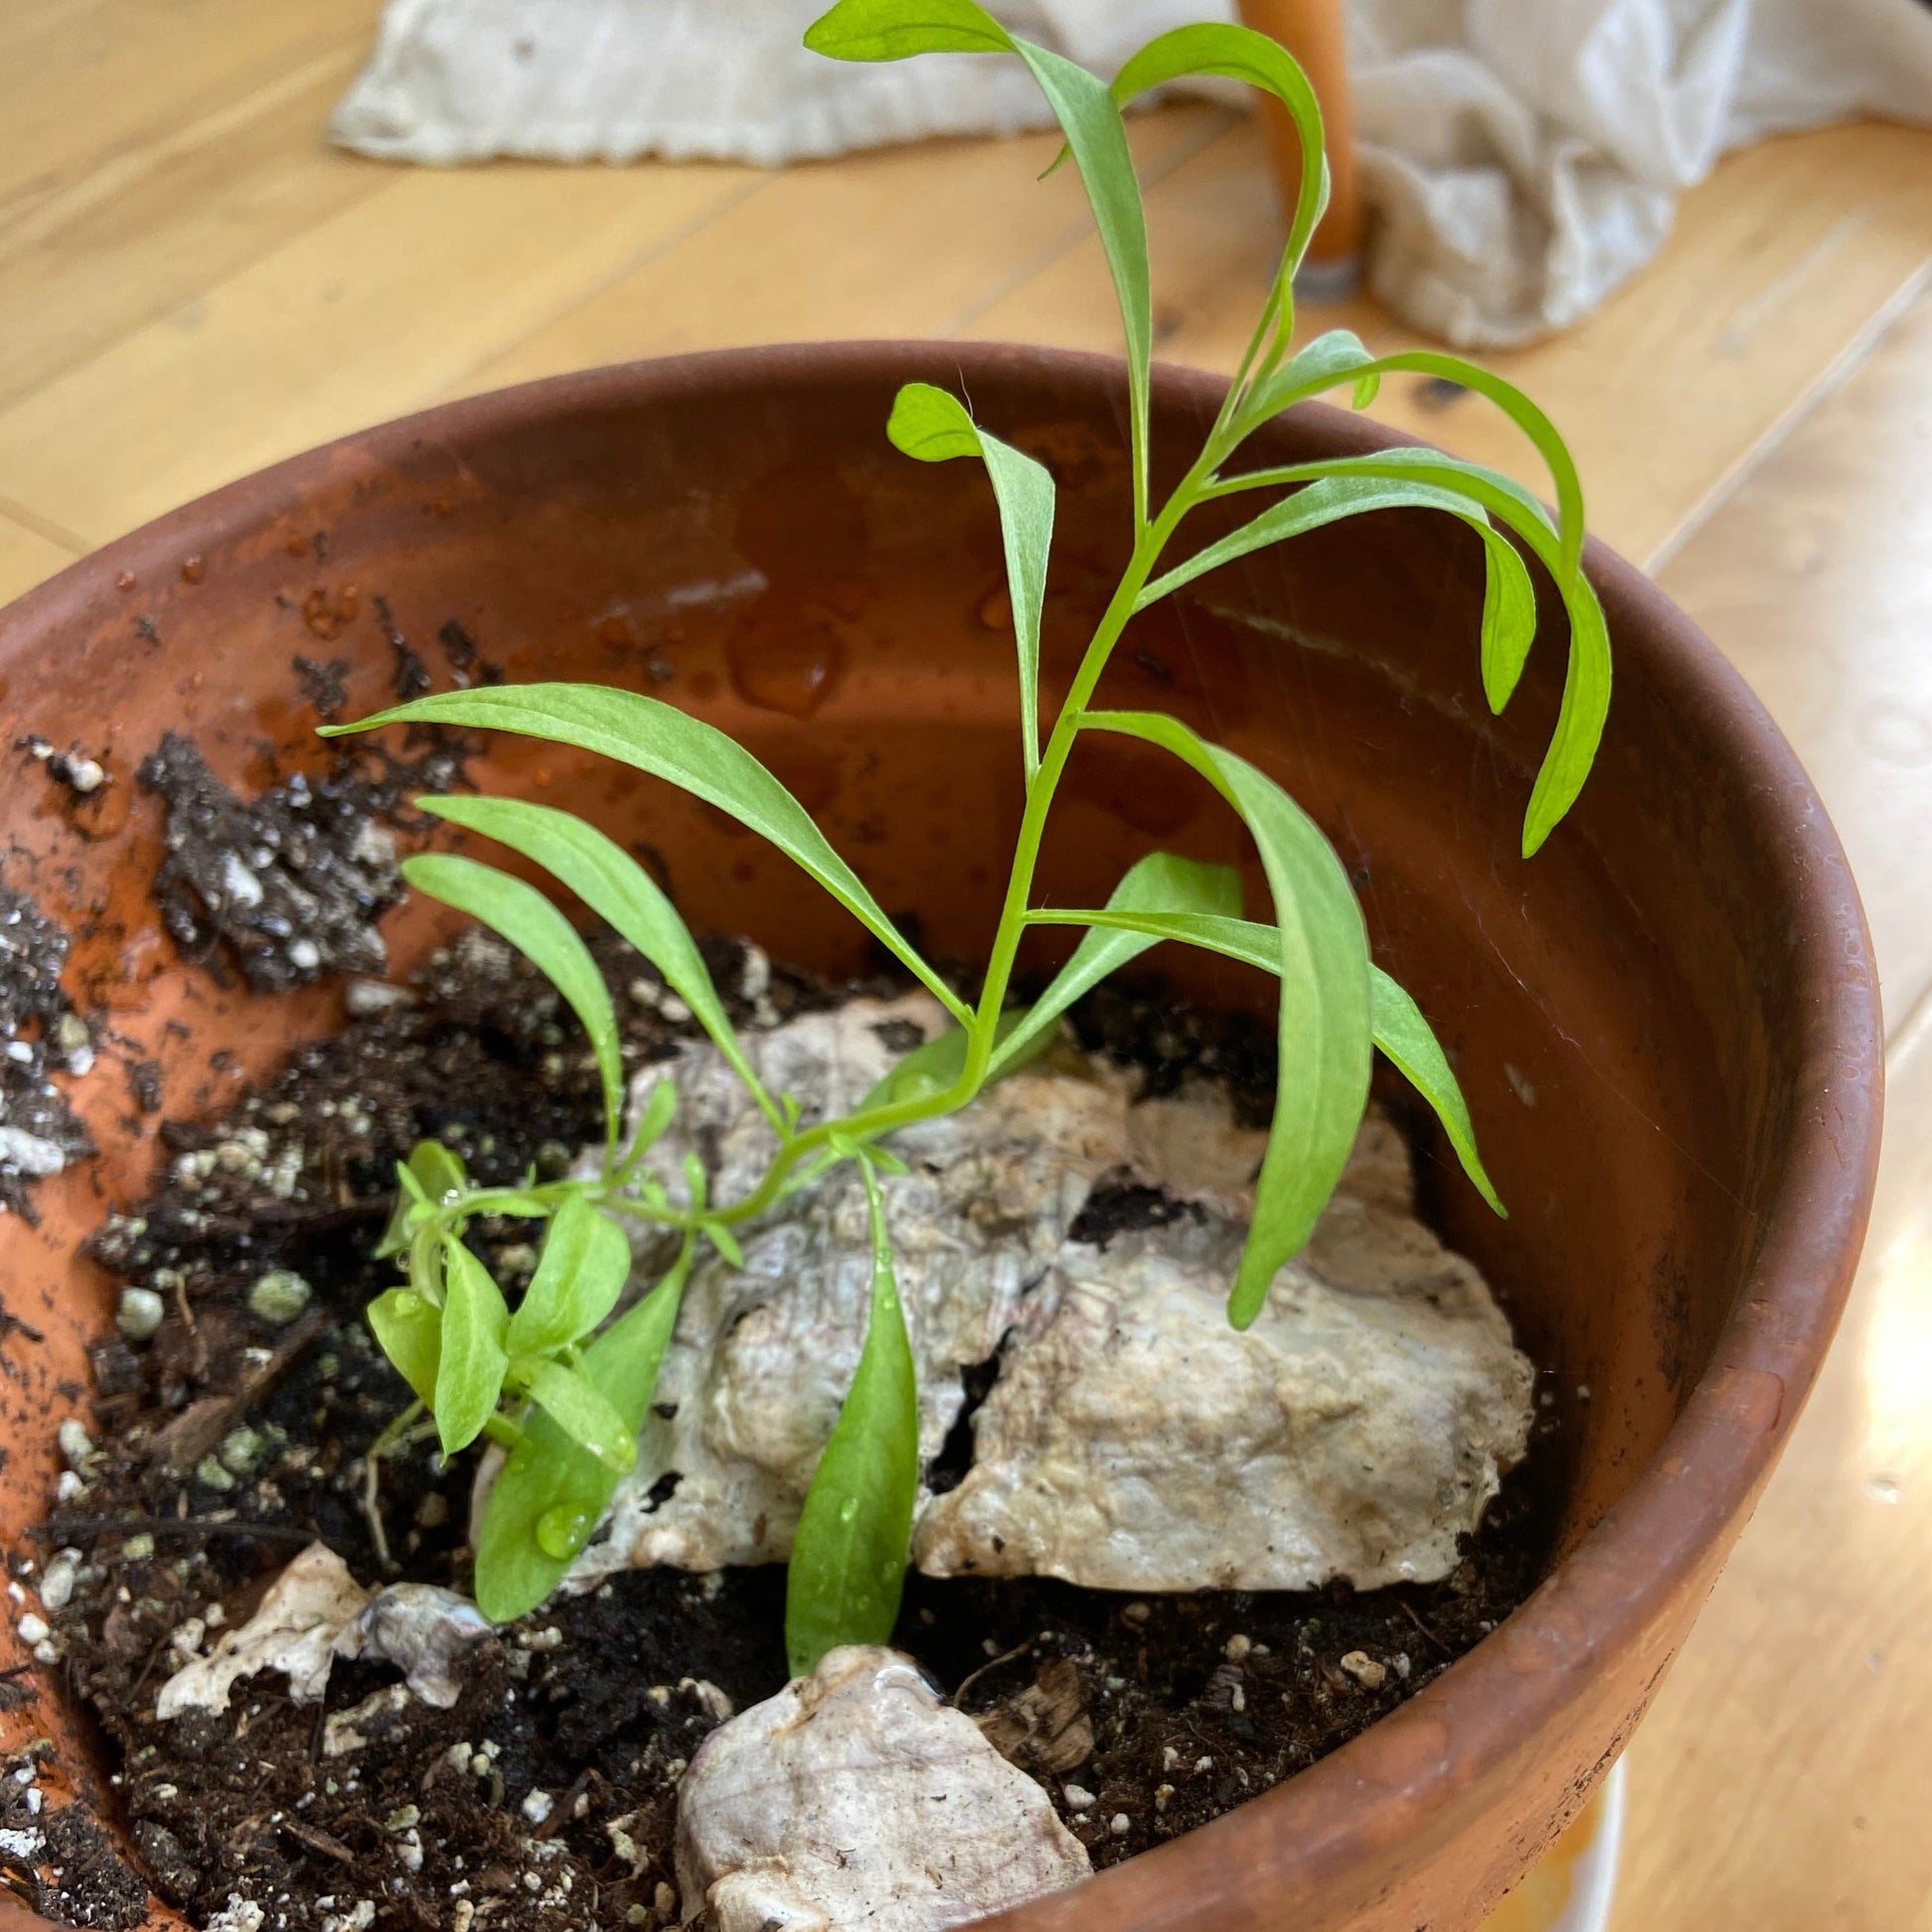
(315, 1612)
(238, 1915)
(295, 1630)
(58, 1579)
(422, 1629)
(1135, 1440)
(761, 1358)
(855, 1797)
(28, 1153)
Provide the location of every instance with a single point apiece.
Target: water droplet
(848, 1509)
(563, 1531)
(787, 661)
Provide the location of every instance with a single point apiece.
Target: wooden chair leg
(1314, 31)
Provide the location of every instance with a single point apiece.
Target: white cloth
(1523, 157)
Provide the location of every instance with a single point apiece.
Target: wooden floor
(191, 284)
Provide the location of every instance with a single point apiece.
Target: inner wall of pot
(760, 556)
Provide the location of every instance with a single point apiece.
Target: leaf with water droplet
(563, 1531)
(548, 1473)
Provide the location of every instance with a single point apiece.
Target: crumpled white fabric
(1523, 157)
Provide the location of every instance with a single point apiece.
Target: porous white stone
(761, 1357)
(295, 1630)
(316, 1611)
(1135, 1440)
(423, 1630)
(856, 1798)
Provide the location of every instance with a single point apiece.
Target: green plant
(565, 1393)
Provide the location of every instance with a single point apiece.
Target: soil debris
(290, 887)
(40, 1033)
(545, 1797)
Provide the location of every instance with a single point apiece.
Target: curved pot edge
(1616, 1582)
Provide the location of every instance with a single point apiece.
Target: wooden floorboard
(1777, 268)
(905, 241)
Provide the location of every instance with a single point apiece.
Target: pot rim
(1412, 1779)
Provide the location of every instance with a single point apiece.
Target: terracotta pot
(1667, 1021)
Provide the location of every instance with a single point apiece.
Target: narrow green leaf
(581, 1272)
(1508, 614)
(659, 1110)
(1410, 1042)
(655, 737)
(584, 1413)
(1323, 1020)
(1328, 501)
(621, 893)
(1092, 122)
(1332, 357)
(1588, 683)
(404, 1216)
(1163, 882)
(1400, 1030)
(469, 1372)
(438, 1171)
(1241, 54)
(890, 30)
(935, 427)
(719, 1234)
(551, 1494)
(518, 912)
(432, 1176)
(1284, 388)
(848, 1559)
(938, 1064)
(410, 1331)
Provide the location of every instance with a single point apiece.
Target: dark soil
(288, 888)
(547, 1794)
(40, 1032)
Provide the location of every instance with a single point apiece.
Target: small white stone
(30, 1154)
(1365, 1670)
(58, 1579)
(538, 1806)
(1120, 1824)
(75, 1443)
(1079, 1797)
(32, 1630)
(240, 886)
(140, 1314)
(279, 1296)
(304, 955)
(421, 1629)
(365, 998)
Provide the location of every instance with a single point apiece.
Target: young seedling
(563, 1387)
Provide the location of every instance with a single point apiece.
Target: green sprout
(562, 1386)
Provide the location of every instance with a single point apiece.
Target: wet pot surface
(1666, 1023)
